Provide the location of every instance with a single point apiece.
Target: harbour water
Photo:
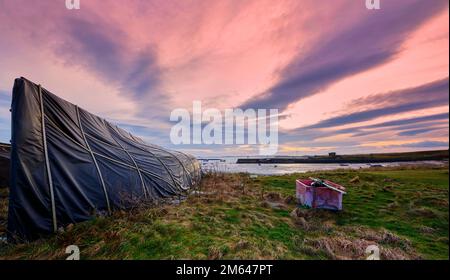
(229, 165)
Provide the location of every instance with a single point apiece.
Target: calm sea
(229, 165)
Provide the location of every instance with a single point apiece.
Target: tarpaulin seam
(144, 188)
(164, 151)
(165, 166)
(123, 163)
(140, 148)
(47, 162)
(168, 171)
(182, 165)
(105, 156)
(120, 134)
(101, 141)
(171, 154)
(188, 158)
(51, 124)
(94, 160)
(132, 167)
(54, 126)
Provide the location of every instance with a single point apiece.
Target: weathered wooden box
(324, 197)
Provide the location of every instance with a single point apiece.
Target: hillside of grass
(234, 216)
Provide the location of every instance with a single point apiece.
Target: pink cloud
(149, 57)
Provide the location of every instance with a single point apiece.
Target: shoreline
(440, 155)
(285, 169)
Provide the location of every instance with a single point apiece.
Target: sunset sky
(344, 78)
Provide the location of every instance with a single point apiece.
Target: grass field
(404, 212)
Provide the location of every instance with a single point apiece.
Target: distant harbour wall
(370, 158)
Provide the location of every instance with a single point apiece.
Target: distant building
(332, 154)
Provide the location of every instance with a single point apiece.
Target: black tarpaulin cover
(5, 150)
(68, 164)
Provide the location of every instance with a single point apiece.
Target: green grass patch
(404, 211)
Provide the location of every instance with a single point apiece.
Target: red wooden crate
(319, 197)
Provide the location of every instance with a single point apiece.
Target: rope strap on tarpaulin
(144, 188)
(47, 163)
(94, 160)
